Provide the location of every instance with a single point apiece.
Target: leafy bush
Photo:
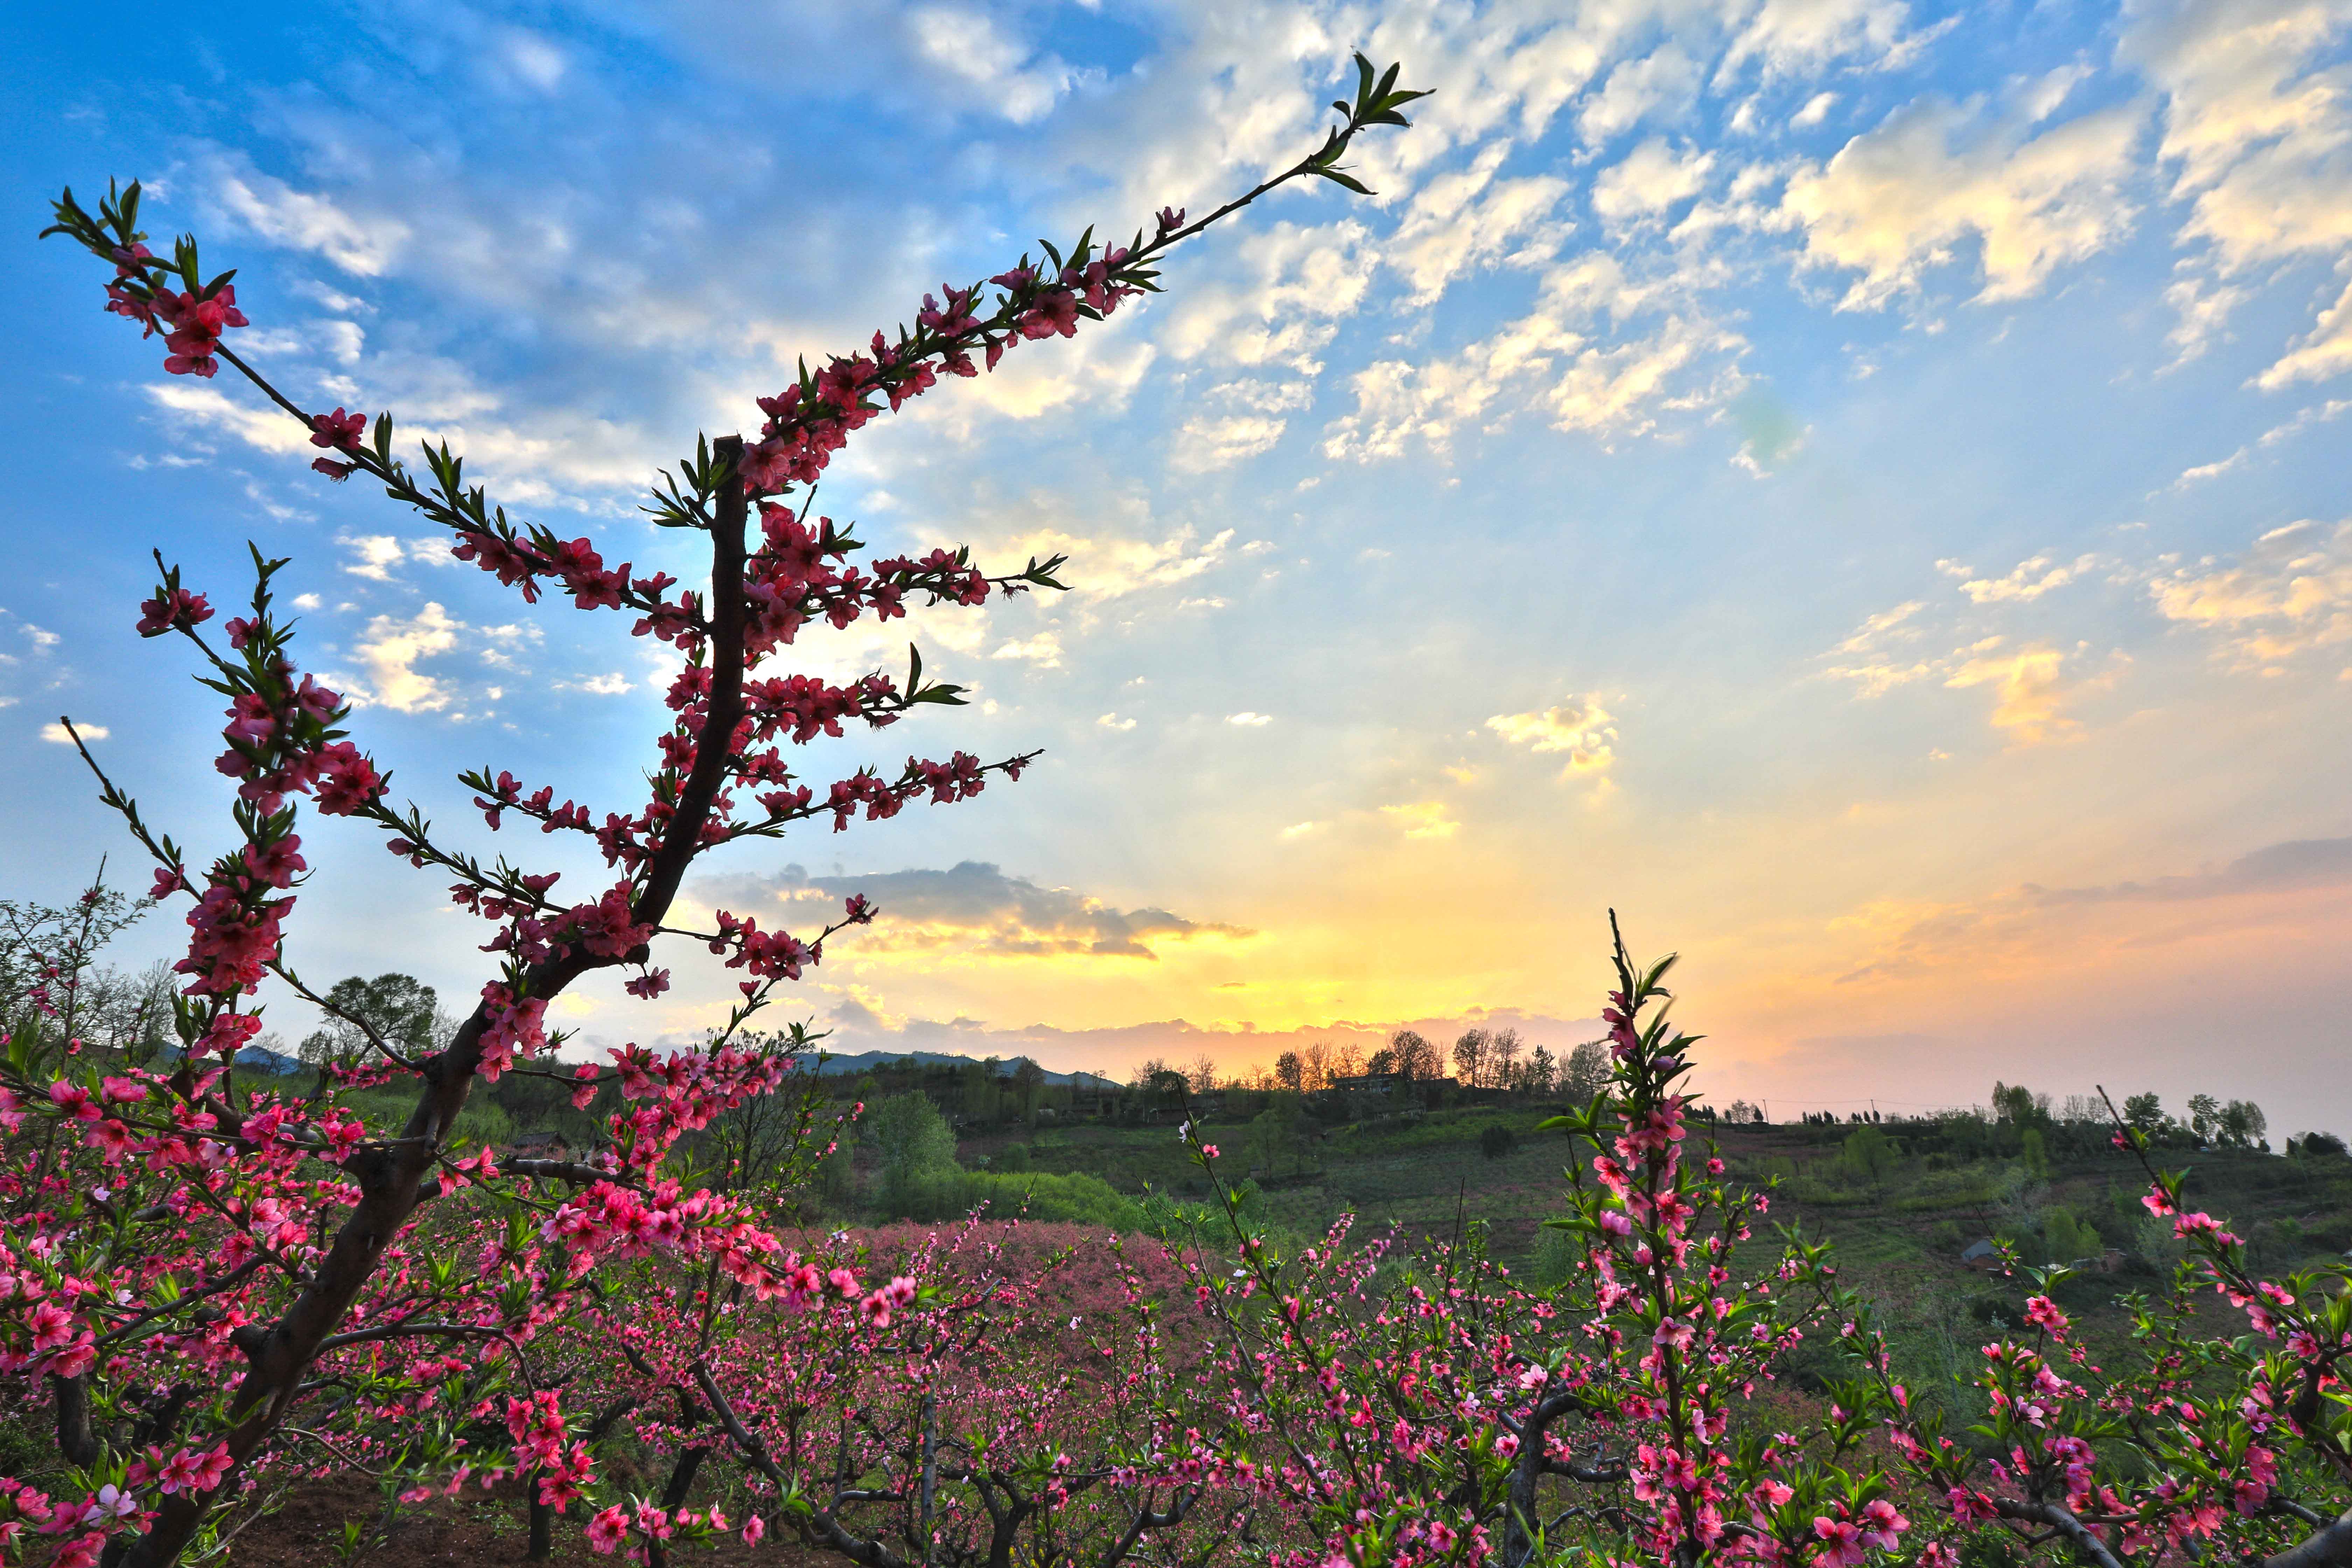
(1076, 1198)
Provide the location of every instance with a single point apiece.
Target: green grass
(1899, 1236)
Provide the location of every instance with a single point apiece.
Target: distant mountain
(875, 1061)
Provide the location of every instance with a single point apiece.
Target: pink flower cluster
(806, 424)
(229, 1213)
(193, 322)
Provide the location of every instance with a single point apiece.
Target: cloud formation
(1592, 404)
(2257, 136)
(2303, 863)
(2029, 687)
(1420, 819)
(2290, 595)
(1580, 727)
(1899, 200)
(971, 909)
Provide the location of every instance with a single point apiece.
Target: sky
(1856, 488)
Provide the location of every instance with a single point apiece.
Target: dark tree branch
(2328, 1548)
(2080, 1535)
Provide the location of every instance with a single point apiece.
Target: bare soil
(476, 1527)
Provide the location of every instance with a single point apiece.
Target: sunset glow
(1860, 489)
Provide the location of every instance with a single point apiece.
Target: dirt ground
(476, 1528)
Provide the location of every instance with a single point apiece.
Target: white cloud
(1043, 649)
(1580, 727)
(1107, 565)
(2027, 580)
(1794, 36)
(1297, 283)
(64, 737)
(2029, 686)
(2305, 418)
(1250, 720)
(1424, 819)
(1265, 396)
(1206, 442)
(2256, 125)
(973, 910)
(359, 243)
(1113, 721)
(1878, 664)
(390, 651)
(2291, 593)
(1545, 361)
(532, 59)
(374, 555)
(1660, 86)
(268, 429)
(564, 454)
(2323, 353)
(341, 341)
(968, 45)
(1897, 200)
(2204, 308)
(1101, 369)
(2258, 130)
(1650, 180)
(2033, 684)
(1469, 219)
(1816, 110)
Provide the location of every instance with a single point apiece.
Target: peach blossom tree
(218, 1285)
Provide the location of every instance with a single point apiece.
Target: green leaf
(1345, 181)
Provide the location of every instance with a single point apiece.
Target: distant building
(1983, 1256)
(1369, 1083)
(538, 1146)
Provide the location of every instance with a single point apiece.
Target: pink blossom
(338, 431)
(172, 607)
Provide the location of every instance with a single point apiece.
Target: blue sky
(1857, 487)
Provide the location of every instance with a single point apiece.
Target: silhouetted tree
(399, 1008)
(1470, 1056)
(1586, 1074)
(1415, 1056)
(1541, 1070)
(1503, 1050)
